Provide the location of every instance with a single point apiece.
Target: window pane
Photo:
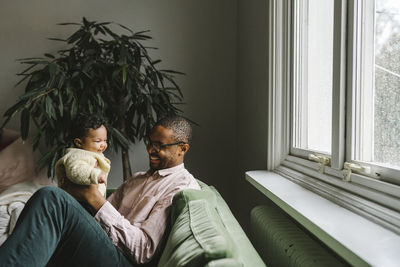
(312, 103)
(379, 95)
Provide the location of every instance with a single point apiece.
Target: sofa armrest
(205, 233)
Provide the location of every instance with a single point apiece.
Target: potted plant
(99, 71)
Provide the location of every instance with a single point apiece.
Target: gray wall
(220, 45)
(251, 102)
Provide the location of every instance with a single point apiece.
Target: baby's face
(94, 141)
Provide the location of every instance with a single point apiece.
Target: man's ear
(185, 148)
(78, 142)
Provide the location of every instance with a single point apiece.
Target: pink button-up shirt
(135, 216)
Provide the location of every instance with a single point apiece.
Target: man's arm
(86, 193)
(137, 242)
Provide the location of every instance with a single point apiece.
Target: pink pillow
(17, 162)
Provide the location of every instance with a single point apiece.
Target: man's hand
(85, 193)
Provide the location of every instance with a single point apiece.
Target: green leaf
(27, 69)
(122, 56)
(40, 130)
(115, 74)
(69, 92)
(29, 58)
(37, 76)
(102, 23)
(126, 28)
(25, 117)
(142, 33)
(88, 75)
(69, 23)
(61, 81)
(85, 22)
(56, 39)
(14, 109)
(45, 159)
(53, 69)
(98, 98)
(90, 107)
(60, 104)
(148, 106)
(115, 36)
(35, 141)
(76, 36)
(22, 80)
(123, 75)
(173, 72)
(31, 94)
(75, 74)
(74, 109)
(50, 108)
(53, 164)
(120, 137)
(141, 36)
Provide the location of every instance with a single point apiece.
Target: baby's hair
(179, 125)
(84, 122)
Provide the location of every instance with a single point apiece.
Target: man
(54, 229)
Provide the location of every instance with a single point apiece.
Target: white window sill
(356, 239)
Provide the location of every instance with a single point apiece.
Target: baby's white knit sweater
(82, 167)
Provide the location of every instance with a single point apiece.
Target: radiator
(281, 242)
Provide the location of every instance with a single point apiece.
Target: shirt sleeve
(137, 242)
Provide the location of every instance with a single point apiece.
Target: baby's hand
(102, 178)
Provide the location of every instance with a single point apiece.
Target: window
(377, 127)
(335, 103)
(312, 61)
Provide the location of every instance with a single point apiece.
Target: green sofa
(204, 232)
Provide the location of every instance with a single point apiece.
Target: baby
(85, 164)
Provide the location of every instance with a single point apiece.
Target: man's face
(169, 156)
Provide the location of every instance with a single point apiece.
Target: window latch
(350, 167)
(321, 159)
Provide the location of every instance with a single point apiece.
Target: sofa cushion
(182, 198)
(197, 237)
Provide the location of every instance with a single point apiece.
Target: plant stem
(126, 165)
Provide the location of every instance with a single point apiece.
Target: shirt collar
(165, 172)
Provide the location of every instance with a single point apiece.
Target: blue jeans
(55, 230)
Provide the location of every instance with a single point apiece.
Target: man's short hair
(84, 122)
(182, 130)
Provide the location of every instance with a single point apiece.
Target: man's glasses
(157, 146)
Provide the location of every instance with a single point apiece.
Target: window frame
(380, 201)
